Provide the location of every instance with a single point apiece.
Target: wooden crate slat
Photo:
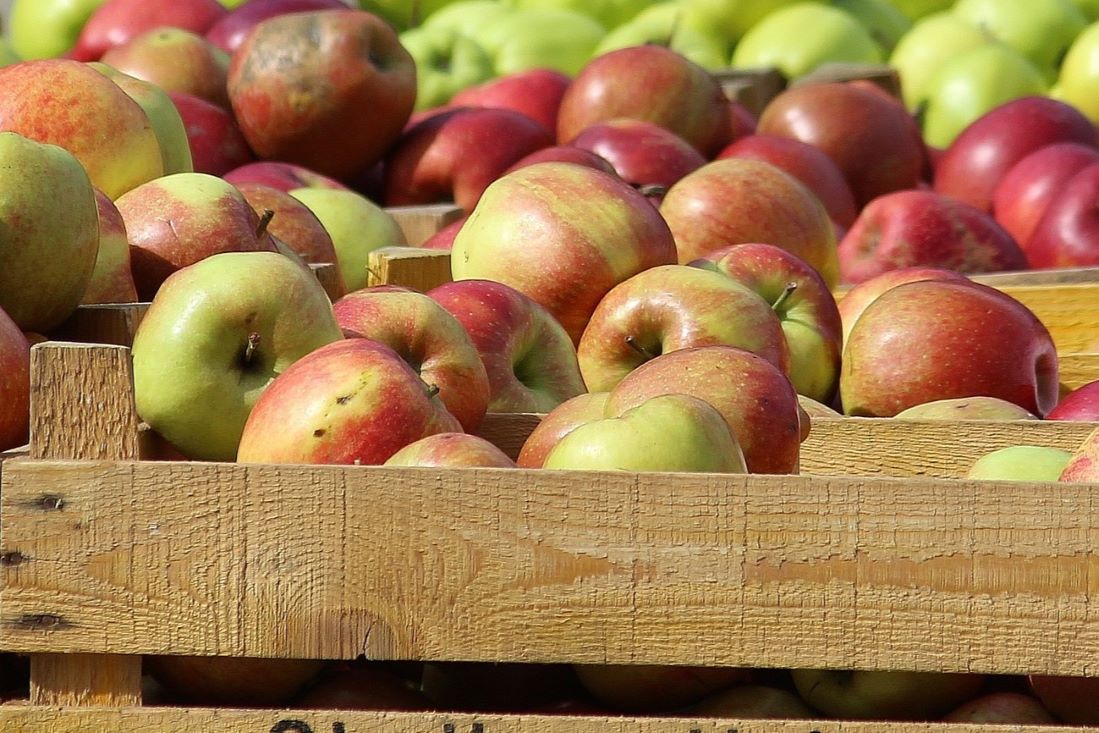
(411, 267)
(112, 323)
(1070, 312)
(1056, 276)
(753, 88)
(330, 278)
(1078, 369)
(418, 223)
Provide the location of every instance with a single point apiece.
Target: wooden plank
(883, 75)
(328, 273)
(410, 267)
(1058, 276)
(1069, 311)
(420, 222)
(198, 720)
(550, 566)
(753, 88)
(1078, 369)
(112, 323)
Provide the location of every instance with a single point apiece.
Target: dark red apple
(217, 145)
(283, 176)
(117, 21)
(229, 32)
(742, 122)
(536, 93)
(1080, 404)
(444, 238)
(292, 222)
(1067, 235)
(565, 154)
(642, 153)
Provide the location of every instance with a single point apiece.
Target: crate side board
(410, 267)
(1076, 370)
(1070, 312)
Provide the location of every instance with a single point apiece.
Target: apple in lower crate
(1071, 699)
(650, 83)
(15, 384)
(737, 200)
(229, 32)
(347, 687)
(563, 235)
(283, 176)
(966, 408)
(489, 687)
(642, 153)
(112, 279)
(673, 307)
(529, 358)
(238, 681)
(879, 695)
(292, 222)
(979, 342)
(1066, 234)
(803, 303)
(858, 298)
(299, 85)
(1081, 404)
(559, 422)
(537, 93)
(652, 687)
(1004, 708)
(117, 21)
(451, 450)
(175, 60)
(216, 334)
(217, 144)
(456, 154)
(1020, 463)
(752, 702)
(565, 154)
(755, 398)
(1084, 464)
(430, 339)
(354, 401)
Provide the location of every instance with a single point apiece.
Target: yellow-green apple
(539, 38)
(916, 9)
(293, 223)
(739, 200)
(70, 104)
(559, 422)
(1070, 699)
(642, 153)
(175, 60)
(360, 687)
(357, 226)
(426, 336)
(805, 163)
(564, 154)
(51, 232)
(1065, 236)
(464, 16)
(975, 163)
(755, 398)
(451, 450)
(217, 144)
(41, 29)
(672, 307)
(1084, 464)
(446, 62)
(243, 681)
(529, 358)
(674, 26)
(669, 432)
(178, 220)
(456, 154)
(825, 34)
(925, 229)
(117, 21)
(299, 85)
(886, 24)
(403, 14)
(931, 42)
(980, 407)
(855, 300)
(112, 279)
(444, 238)
(880, 695)
(1041, 31)
(733, 18)
(354, 401)
(15, 383)
(537, 93)
(609, 13)
(752, 702)
(563, 235)
(979, 342)
(871, 137)
(283, 176)
(648, 83)
(229, 32)
(652, 687)
(1020, 463)
(215, 336)
(1079, 73)
(1081, 404)
(804, 305)
(1026, 190)
(1003, 707)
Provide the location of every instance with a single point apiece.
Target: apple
(1070, 699)
(917, 9)
(932, 41)
(979, 342)
(648, 83)
(1084, 464)
(564, 154)
(1079, 73)
(537, 38)
(673, 307)
(669, 432)
(238, 681)
(70, 104)
(455, 155)
(886, 24)
(451, 450)
(117, 21)
(215, 335)
(529, 358)
(825, 34)
(559, 422)
(751, 702)
(216, 143)
(292, 222)
(966, 408)
(738, 201)
(1012, 708)
(1042, 31)
(464, 16)
(870, 136)
(563, 235)
(537, 93)
(446, 62)
(734, 18)
(51, 232)
(176, 61)
(1065, 235)
(642, 153)
(805, 163)
(112, 280)
(41, 29)
(430, 339)
(444, 238)
(229, 32)
(609, 13)
(856, 300)
(1090, 9)
(404, 14)
(360, 687)
(674, 26)
(356, 225)
(925, 229)
(15, 384)
(881, 695)
(755, 398)
(1020, 463)
(652, 687)
(299, 85)
(283, 176)
(1081, 404)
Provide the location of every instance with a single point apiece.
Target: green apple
(1041, 30)
(8, 56)
(1090, 8)
(40, 29)
(1078, 83)
(971, 84)
(113, 278)
(980, 407)
(933, 40)
(232, 3)
(357, 226)
(672, 432)
(540, 38)
(917, 9)
(446, 63)
(216, 334)
(680, 29)
(733, 18)
(886, 24)
(1020, 463)
(823, 34)
(404, 14)
(609, 13)
(874, 695)
(467, 16)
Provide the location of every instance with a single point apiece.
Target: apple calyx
(652, 190)
(432, 390)
(784, 296)
(264, 221)
(640, 349)
(250, 348)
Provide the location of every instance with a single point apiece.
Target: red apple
(15, 384)
(112, 280)
(176, 61)
(237, 681)
(454, 450)
(564, 154)
(560, 421)
(856, 300)
(536, 93)
(117, 21)
(217, 144)
(292, 222)
(283, 176)
(1067, 235)
(444, 238)
(1083, 467)
(1005, 708)
(925, 229)
(229, 32)
(651, 687)
(1081, 404)
(742, 122)
(1071, 699)
(642, 153)
(978, 159)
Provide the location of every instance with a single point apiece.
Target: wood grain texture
(114, 323)
(411, 267)
(197, 720)
(753, 88)
(1057, 276)
(1070, 312)
(1078, 369)
(328, 274)
(420, 222)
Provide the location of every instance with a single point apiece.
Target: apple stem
(652, 190)
(432, 390)
(264, 220)
(675, 27)
(414, 15)
(636, 346)
(250, 347)
(786, 293)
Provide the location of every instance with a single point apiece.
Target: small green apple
(540, 39)
(733, 18)
(1078, 83)
(933, 40)
(609, 13)
(1090, 9)
(7, 55)
(886, 24)
(404, 14)
(1041, 30)
(680, 29)
(39, 29)
(467, 16)
(1020, 463)
(917, 9)
(981, 407)
(446, 63)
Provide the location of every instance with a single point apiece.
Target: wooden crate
(418, 223)
(753, 88)
(107, 557)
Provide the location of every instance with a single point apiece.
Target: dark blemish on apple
(318, 433)
(343, 400)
